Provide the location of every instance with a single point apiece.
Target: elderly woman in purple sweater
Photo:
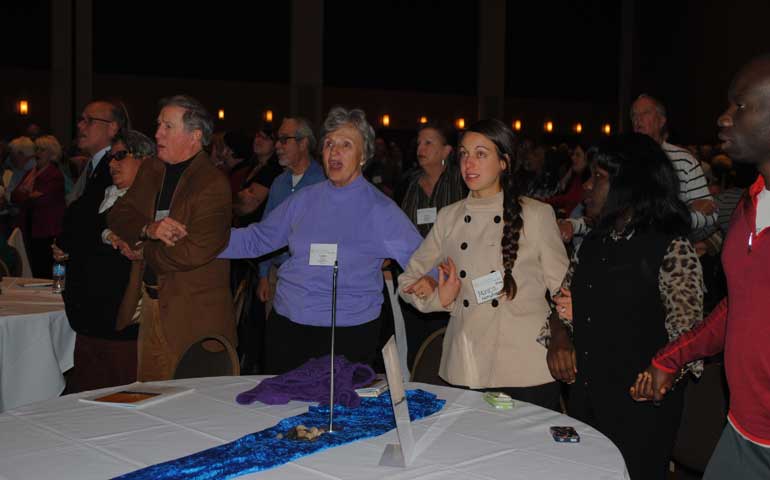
(345, 219)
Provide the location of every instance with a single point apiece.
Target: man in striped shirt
(648, 116)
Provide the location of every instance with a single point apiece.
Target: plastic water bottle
(59, 274)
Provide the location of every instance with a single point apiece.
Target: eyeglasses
(285, 140)
(117, 155)
(89, 120)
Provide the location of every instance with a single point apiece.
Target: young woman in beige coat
(507, 245)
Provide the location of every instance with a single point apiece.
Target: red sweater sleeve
(705, 340)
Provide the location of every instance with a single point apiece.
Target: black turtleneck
(163, 203)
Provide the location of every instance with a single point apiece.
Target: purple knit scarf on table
(310, 383)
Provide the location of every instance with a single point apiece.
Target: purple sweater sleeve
(261, 238)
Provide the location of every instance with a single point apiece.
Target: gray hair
(24, 145)
(195, 117)
(304, 130)
(137, 143)
(659, 107)
(338, 117)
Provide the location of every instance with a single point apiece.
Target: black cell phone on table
(565, 434)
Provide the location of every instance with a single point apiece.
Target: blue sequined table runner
(263, 450)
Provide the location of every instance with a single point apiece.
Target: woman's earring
(443, 162)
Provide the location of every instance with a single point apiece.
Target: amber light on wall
(23, 107)
(221, 114)
(578, 128)
(385, 120)
(268, 115)
(517, 125)
(423, 120)
(460, 123)
(607, 129)
(548, 126)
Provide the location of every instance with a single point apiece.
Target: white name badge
(323, 254)
(426, 215)
(488, 287)
(161, 214)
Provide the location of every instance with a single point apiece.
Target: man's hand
(566, 230)
(561, 358)
(652, 384)
(423, 287)
(263, 290)
(168, 231)
(125, 250)
(564, 304)
(704, 205)
(448, 282)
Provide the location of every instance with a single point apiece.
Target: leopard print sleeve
(544, 337)
(680, 281)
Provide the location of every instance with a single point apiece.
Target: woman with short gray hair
(343, 221)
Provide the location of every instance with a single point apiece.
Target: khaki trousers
(156, 361)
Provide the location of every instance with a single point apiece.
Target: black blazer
(97, 274)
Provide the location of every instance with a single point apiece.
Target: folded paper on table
(374, 389)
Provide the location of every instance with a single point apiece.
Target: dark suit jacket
(194, 286)
(97, 275)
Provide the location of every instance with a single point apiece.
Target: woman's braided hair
(511, 183)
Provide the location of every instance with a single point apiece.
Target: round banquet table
(64, 438)
(36, 343)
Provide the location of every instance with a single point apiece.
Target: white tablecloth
(63, 438)
(36, 343)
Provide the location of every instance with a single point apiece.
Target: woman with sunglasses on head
(635, 284)
(498, 252)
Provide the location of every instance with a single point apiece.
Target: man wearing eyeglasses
(80, 240)
(294, 145)
(97, 126)
(99, 123)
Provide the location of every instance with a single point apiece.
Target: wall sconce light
(23, 107)
(423, 120)
(548, 127)
(578, 127)
(268, 116)
(607, 129)
(517, 125)
(460, 123)
(221, 114)
(385, 120)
